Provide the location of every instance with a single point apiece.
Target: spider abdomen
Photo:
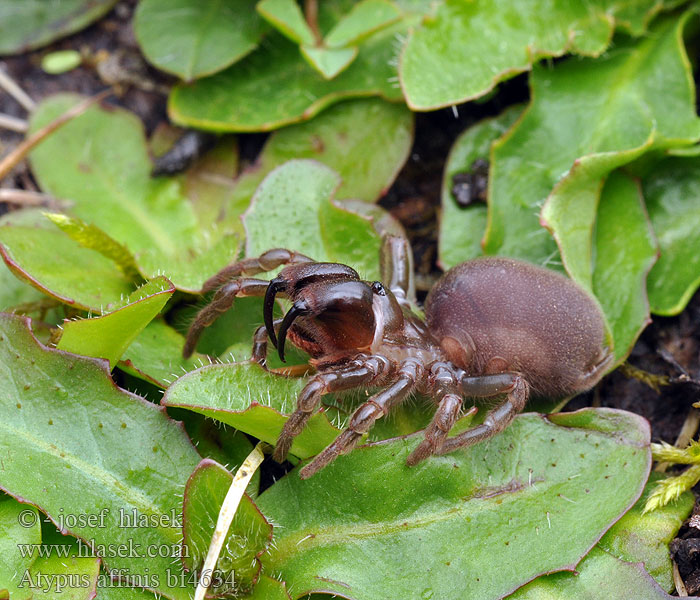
(499, 314)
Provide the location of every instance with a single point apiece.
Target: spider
(492, 327)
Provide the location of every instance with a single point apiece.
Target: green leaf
(255, 401)
(67, 570)
(208, 184)
(247, 537)
(28, 25)
(644, 537)
(14, 291)
(329, 62)
(600, 576)
(606, 571)
(624, 250)
(286, 16)
(19, 525)
(46, 258)
(300, 195)
(268, 588)
(366, 141)
(366, 17)
(61, 61)
(109, 336)
(463, 50)
(461, 228)
(536, 498)
(95, 446)
(286, 89)
(89, 236)
(155, 355)
(105, 171)
(193, 38)
(671, 193)
(621, 95)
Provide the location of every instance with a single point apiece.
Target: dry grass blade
(226, 514)
(12, 88)
(20, 153)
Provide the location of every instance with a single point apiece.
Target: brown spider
(493, 326)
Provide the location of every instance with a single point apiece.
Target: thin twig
(12, 88)
(678, 582)
(27, 198)
(21, 151)
(13, 123)
(226, 514)
(311, 14)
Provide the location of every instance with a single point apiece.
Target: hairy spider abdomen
(499, 314)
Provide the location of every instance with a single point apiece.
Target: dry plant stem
(226, 514)
(655, 382)
(26, 198)
(13, 123)
(678, 582)
(20, 153)
(311, 14)
(12, 88)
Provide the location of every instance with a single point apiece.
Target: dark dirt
(669, 346)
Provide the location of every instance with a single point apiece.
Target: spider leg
(259, 353)
(497, 419)
(360, 372)
(267, 261)
(364, 417)
(435, 434)
(396, 265)
(222, 301)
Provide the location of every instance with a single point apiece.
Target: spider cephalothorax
(493, 326)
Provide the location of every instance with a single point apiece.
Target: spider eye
(378, 288)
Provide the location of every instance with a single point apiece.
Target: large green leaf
(623, 251)
(600, 576)
(462, 228)
(105, 171)
(286, 89)
(536, 498)
(608, 571)
(620, 93)
(20, 529)
(48, 259)
(109, 336)
(248, 398)
(671, 192)
(249, 534)
(94, 450)
(299, 195)
(28, 25)
(193, 38)
(365, 141)
(465, 48)
(644, 537)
